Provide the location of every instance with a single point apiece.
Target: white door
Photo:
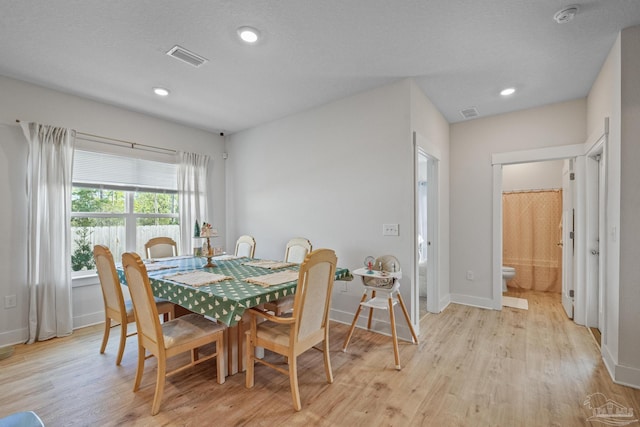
(567, 242)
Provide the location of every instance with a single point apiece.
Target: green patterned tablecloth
(227, 300)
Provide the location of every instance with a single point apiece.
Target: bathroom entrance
(533, 225)
(584, 287)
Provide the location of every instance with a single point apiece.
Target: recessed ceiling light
(508, 91)
(248, 34)
(160, 91)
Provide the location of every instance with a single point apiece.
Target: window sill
(87, 279)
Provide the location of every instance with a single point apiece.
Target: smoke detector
(565, 15)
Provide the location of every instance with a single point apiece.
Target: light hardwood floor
(473, 367)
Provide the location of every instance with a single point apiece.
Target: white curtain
(49, 185)
(192, 196)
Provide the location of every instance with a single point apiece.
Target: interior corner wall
(30, 102)
(628, 370)
(334, 174)
(428, 122)
(472, 144)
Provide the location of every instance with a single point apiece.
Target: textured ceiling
(460, 52)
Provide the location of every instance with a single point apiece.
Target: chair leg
(248, 376)
(162, 373)
(105, 337)
(327, 361)
(406, 316)
(392, 319)
(353, 324)
(220, 359)
(123, 341)
(293, 380)
(140, 368)
(373, 295)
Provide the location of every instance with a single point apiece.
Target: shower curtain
(531, 231)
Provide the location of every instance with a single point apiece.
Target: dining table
(223, 292)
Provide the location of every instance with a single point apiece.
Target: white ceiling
(460, 52)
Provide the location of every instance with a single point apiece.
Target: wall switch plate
(390, 230)
(10, 301)
(469, 275)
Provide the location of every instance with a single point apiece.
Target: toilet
(508, 273)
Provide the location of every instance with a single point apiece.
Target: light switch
(390, 230)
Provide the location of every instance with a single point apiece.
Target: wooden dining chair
(245, 246)
(307, 327)
(116, 309)
(185, 333)
(296, 251)
(161, 247)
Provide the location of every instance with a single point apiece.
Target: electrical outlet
(469, 275)
(343, 288)
(10, 301)
(390, 230)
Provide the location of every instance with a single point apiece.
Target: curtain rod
(533, 190)
(121, 142)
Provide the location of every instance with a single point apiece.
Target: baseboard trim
(379, 324)
(88, 320)
(472, 301)
(17, 336)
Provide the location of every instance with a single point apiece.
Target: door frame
(568, 232)
(422, 146)
(596, 182)
(515, 157)
(579, 152)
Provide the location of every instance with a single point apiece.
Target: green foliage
(82, 257)
(150, 203)
(97, 200)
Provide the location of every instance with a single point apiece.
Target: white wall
(616, 95)
(472, 144)
(532, 176)
(334, 174)
(29, 102)
(629, 350)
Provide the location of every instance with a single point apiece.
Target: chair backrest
(109, 281)
(161, 247)
(389, 264)
(245, 246)
(297, 250)
(144, 306)
(313, 296)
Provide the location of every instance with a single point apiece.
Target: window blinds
(109, 171)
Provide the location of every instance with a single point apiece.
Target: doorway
(595, 171)
(584, 297)
(533, 196)
(425, 295)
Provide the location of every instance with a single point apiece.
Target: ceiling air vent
(469, 113)
(186, 56)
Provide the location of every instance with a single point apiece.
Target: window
(120, 202)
